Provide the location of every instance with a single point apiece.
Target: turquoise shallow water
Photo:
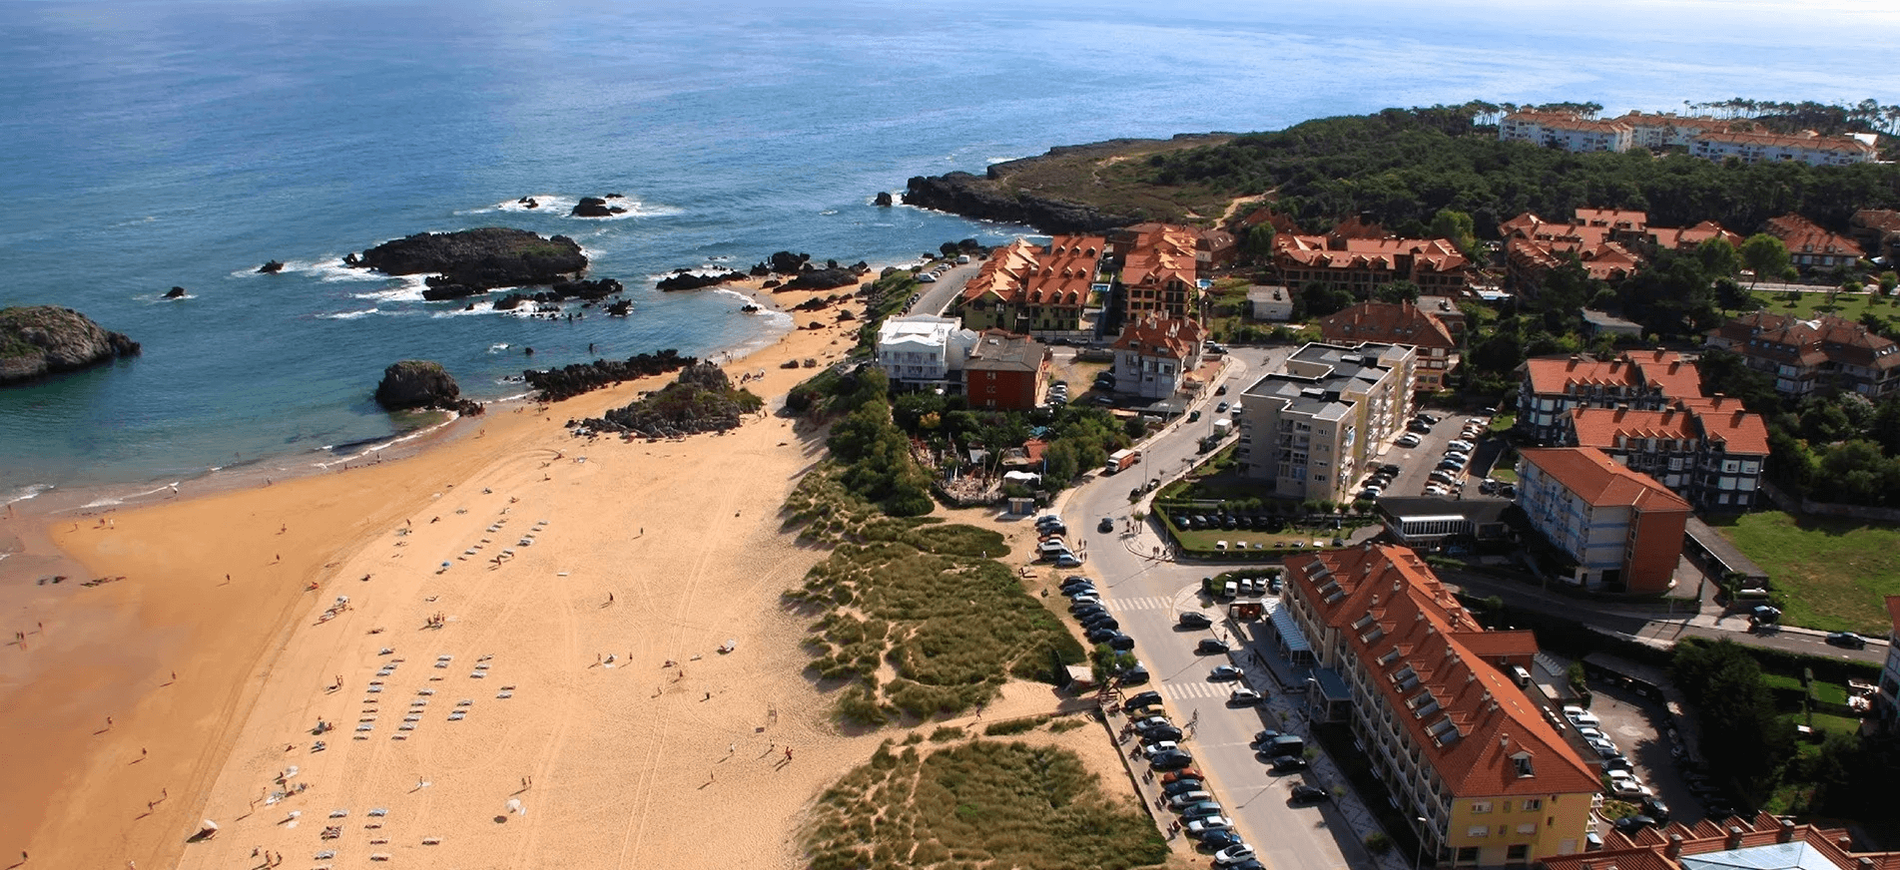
(151, 144)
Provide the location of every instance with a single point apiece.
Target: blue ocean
(148, 144)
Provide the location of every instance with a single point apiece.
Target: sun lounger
(457, 716)
(366, 727)
(406, 726)
(504, 694)
(465, 702)
(431, 841)
(324, 855)
(412, 717)
(374, 689)
(425, 691)
(379, 812)
(338, 814)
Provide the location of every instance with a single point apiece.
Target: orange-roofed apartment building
(1567, 130)
(1028, 289)
(1158, 271)
(1805, 147)
(1760, 843)
(1436, 708)
(1641, 381)
(1810, 246)
(1361, 264)
(1708, 450)
(1622, 528)
(1804, 356)
(1154, 354)
(1609, 243)
(1398, 323)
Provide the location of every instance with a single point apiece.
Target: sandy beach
(528, 671)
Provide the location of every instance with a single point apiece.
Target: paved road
(1147, 594)
(934, 298)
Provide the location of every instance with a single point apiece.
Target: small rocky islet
(41, 340)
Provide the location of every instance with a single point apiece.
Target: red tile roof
(1154, 335)
(1651, 848)
(1468, 720)
(1020, 272)
(1600, 480)
(1557, 375)
(1675, 373)
(1161, 253)
(1803, 236)
(1390, 322)
(1598, 427)
(1809, 141)
(1723, 420)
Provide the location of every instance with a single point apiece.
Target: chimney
(1674, 849)
(1786, 833)
(1864, 863)
(1734, 840)
(1846, 843)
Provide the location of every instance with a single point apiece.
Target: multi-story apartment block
(1398, 323)
(1811, 247)
(1804, 147)
(1309, 428)
(1877, 231)
(1888, 698)
(1566, 130)
(1623, 529)
(922, 351)
(1154, 354)
(1709, 451)
(1762, 841)
(1025, 288)
(1665, 130)
(1360, 263)
(1610, 243)
(1804, 356)
(1437, 708)
(1005, 371)
(1645, 381)
(1158, 271)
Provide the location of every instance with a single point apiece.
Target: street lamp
(1418, 855)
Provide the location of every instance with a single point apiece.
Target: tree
(1259, 241)
(1741, 732)
(1718, 257)
(1764, 254)
(1458, 227)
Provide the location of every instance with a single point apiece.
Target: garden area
(1829, 574)
(983, 803)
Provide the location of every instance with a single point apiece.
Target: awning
(1289, 631)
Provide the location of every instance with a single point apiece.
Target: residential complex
(1463, 749)
(1154, 354)
(1764, 842)
(1708, 138)
(920, 350)
(1158, 271)
(1622, 529)
(1361, 263)
(1810, 246)
(1552, 386)
(1805, 356)
(1308, 429)
(1025, 288)
(1708, 450)
(1005, 371)
(1398, 323)
(1610, 243)
(1877, 231)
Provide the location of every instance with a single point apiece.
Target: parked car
(1136, 675)
(1460, 445)
(1181, 800)
(1309, 794)
(1121, 642)
(1243, 698)
(1201, 810)
(1066, 559)
(1234, 854)
(1181, 774)
(1288, 764)
(1144, 699)
(1080, 589)
(1219, 839)
(1191, 619)
(1183, 785)
(1220, 408)
(1176, 760)
(1101, 635)
(1223, 673)
(1156, 747)
(1847, 639)
(1211, 823)
(1211, 645)
(1082, 602)
(1407, 440)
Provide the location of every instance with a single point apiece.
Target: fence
(1805, 505)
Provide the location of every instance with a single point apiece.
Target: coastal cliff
(39, 340)
(467, 262)
(1026, 191)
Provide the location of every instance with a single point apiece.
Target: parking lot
(1640, 728)
(1417, 463)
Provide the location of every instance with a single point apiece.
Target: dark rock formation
(482, 259)
(528, 202)
(39, 340)
(976, 197)
(175, 293)
(595, 207)
(573, 380)
(701, 400)
(562, 291)
(270, 268)
(823, 279)
(884, 198)
(440, 288)
(684, 280)
(787, 263)
(415, 383)
(620, 308)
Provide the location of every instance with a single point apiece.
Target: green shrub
(1015, 726)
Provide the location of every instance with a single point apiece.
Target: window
(1478, 831)
(1532, 805)
(1530, 828)
(1480, 807)
(1518, 854)
(1467, 854)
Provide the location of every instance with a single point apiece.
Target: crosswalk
(1185, 691)
(1141, 602)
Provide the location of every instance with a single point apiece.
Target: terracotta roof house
(1026, 288)
(1709, 451)
(1877, 231)
(1804, 356)
(1623, 529)
(1342, 259)
(1159, 270)
(1810, 246)
(1467, 754)
(1611, 244)
(1398, 323)
(1153, 354)
(1805, 147)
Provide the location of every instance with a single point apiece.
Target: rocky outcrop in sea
(573, 380)
(701, 400)
(597, 207)
(972, 196)
(684, 279)
(415, 383)
(39, 340)
(468, 262)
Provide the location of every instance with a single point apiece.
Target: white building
(1806, 147)
(1310, 427)
(1154, 354)
(1565, 130)
(923, 350)
(1270, 302)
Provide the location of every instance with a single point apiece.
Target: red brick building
(1005, 372)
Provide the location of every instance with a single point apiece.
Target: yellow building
(1436, 706)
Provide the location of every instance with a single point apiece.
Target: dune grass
(918, 616)
(978, 804)
(1832, 574)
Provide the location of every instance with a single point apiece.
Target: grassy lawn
(1834, 574)
(985, 803)
(1849, 306)
(924, 602)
